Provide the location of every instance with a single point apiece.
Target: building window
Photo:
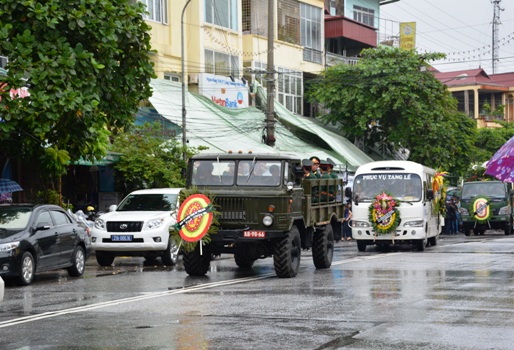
(157, 10)
(172, 77)
(290, 90)
(364, 15)
(310, 18)
(222, 13)
(221, 64)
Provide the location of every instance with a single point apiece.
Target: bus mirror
(430, 194)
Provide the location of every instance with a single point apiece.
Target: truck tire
(361, 245)
(170, 255)
(508, 228)
(323, 247)
(104, 259)
(286, 254)
(243, 261)
(196, 264)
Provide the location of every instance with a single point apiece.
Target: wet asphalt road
(456, 295)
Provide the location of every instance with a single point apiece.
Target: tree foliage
(391, 99)
(148, 160)
(86, 65)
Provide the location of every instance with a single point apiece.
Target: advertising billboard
(224, 91)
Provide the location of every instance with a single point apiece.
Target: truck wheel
(196, 264)
(286, 254)
(104, 259)
(323, 248)
(508, 229)
(361, 245)
(467, 231)
(243, 261)
(170, 255)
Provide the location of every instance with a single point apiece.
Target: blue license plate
(122, 238)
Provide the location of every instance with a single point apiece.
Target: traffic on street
(456, 294)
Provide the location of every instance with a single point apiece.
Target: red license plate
(254, 234)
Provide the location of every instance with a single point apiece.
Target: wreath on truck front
(197, 219)
(383, 214)
(481, 210)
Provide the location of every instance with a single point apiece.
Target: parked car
(36, 238)
(139, 226)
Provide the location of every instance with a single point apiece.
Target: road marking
(51, 314)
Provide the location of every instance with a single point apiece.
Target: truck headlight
(360, 224)
(267, 220)
(503, 211)
(413, 223)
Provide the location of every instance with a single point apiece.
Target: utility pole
(270, 86)
(496, 31)
(184, 136)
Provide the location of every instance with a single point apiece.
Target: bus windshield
(405, 186)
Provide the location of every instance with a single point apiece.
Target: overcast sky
(462, 29)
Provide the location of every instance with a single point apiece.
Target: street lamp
(184, 137)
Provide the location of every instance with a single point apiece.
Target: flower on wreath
(439, 190)
(189, 245)
(383, 214)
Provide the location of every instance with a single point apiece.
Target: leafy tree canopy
(86, 65)
(148, 160)
(391, 98)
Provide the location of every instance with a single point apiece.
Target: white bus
(393, 202)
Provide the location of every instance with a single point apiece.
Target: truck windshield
(406, 187)
(483, 189)
(242, 172)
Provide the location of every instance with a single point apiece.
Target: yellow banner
(408, 35)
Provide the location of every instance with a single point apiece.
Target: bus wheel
(420, 245)
(361, 245)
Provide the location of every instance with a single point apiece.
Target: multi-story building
(229, 38)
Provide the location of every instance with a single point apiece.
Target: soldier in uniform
(315, 166)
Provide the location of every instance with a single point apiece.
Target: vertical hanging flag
(408, 35)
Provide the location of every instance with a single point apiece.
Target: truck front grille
(232, 209)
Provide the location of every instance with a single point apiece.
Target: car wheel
(79, 262)
(27, 269)
(104, 259)
(170, 255)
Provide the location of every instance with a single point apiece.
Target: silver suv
(138, 227)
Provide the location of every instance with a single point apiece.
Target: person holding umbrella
(7, 187)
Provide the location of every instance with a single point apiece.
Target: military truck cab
(486, 205)
(266, 211)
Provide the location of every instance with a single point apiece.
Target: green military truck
(486, 205)
(266, 210)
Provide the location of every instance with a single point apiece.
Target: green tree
(86, 65)
(391, 99)
(148, 160)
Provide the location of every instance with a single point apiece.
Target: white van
(393, 202)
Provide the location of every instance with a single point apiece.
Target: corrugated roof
(223, 129)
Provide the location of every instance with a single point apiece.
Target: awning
(222, 129)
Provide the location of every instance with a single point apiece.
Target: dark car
(37, 238)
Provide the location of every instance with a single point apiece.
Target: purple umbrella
(8, 185)
(501, 165)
